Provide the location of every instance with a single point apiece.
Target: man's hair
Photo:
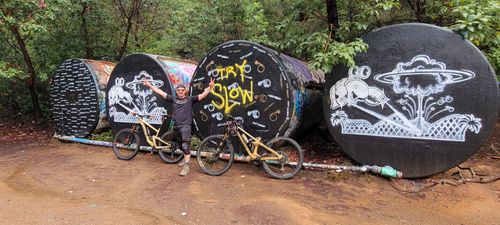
(180, 86)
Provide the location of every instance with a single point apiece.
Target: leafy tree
(134, 14)
(479, 22)
(20, 21)
(192, 28)
(9, 75)
(321, 32)
(36, 36)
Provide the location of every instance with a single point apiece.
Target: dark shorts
(185, 132)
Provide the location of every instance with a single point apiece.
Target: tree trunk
(333, 17)
(31, 82)
(125, 40)
(136, 33)
(419, 9)
(135, 7)
(86, 39)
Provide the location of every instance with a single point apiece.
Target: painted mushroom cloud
(422, 76)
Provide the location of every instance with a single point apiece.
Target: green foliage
(305, 32)
(337, 53)
(186, 34)
(192, 28)
(256, 23)
(103, 136)
(479, 22)
(14, 100)
(189, 29)
(26, 15)
(26, 20)
(9, 72)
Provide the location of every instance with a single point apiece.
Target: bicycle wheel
(126, 144)
(170, 152)
(215, 155)
(292, 160)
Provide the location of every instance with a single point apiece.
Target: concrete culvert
(274, 94)
(77, 96)
(422, 99)
(126, 92)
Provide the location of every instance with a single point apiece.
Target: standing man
(183, 115)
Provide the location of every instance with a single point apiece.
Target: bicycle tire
(209, 152)
(126, 144)
(172, 155)
(292, 151)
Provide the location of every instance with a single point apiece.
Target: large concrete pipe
(126, 92)
(274, 94)
(422, 99)
(77, 96)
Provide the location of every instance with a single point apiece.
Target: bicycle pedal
(256, 162)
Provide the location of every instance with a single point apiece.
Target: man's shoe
(182, 163)
(184, 171)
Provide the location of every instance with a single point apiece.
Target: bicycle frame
(256, 143)
(151, 140)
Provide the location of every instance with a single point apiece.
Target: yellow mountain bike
(126, 142)
(281, 157)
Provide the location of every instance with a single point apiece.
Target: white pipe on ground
(243, 158)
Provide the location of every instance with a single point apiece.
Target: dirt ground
(45, 181)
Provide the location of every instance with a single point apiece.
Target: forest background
(36, 36)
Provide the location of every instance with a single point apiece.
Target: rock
(465, 165)
(484, 170)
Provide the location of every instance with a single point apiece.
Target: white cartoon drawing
(218, 116)
(254, 113)
(416, 115)
(264, 83)
(121, 102)
(117, 94)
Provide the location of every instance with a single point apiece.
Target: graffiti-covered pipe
(274, 94)
(126, 92)
(422, 99)
(77, 96)
(384, 171)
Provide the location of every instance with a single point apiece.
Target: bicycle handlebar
(233, 120)
(238, 121)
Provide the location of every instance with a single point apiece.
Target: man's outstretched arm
(207, 90)
(155, 89)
